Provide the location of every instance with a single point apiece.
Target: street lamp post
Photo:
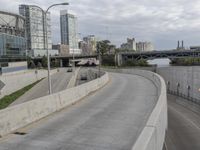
(99, 56)
(74, 42)
(46, 39)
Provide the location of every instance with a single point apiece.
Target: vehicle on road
(69, 70)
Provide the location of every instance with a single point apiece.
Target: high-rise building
(35, 29)
(144, 46)
(63, 49)
(91, 43)
(68, 26)
(130, 45)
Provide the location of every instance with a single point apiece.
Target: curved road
(59, 82)
(110, 119)
(184, 124)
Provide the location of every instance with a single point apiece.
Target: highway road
(109, 119)
(184, 125)
(59, 82)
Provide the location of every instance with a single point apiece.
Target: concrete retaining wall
(73, 79)
(18, 116)
(14, 67)
(16, 81)
(183, 81)
(153, 135)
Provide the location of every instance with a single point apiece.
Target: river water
(160, 62)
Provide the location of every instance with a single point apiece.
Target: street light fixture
(74, 46)
(46, 39)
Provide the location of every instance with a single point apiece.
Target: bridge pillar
(118, 59)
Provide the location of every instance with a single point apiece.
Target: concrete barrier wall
(18, 64)
(153, 135)
(18, 116)
(185, 77)
(16, 81)
(73, 79)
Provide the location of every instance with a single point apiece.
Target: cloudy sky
(161, 21)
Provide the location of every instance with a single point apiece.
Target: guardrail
(19, 116)
(153, 135)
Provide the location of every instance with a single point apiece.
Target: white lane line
(165, 145)
(190, 121)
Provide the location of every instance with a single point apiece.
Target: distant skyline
(162, 22)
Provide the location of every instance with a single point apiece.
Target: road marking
(192, 123)
(165, 145)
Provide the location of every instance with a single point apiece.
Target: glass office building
(35, 29)
(12, 35)
(12, 46)
(68, 26)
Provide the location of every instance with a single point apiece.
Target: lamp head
(65, 3)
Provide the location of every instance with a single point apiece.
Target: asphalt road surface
(59, 82)
(109, 119)
(184, 125)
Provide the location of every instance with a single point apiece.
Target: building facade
(12, 35)
(36, 26)
(130, 45)
(194, 47)
(62, 49)
(90, 45)
(144, 46)
(68, 26)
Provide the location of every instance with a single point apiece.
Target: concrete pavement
(110, 119)
(184, 124)
(59, 82)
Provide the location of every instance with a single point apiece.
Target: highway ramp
(110, 119)
(59, 82)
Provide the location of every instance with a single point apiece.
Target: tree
(186, 61)
(29, 60)
(55, 63)
(39, 65)
(103, 47)
(32, 64)
(44, 61)
(142, 62)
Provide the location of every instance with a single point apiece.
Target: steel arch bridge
(171, 54)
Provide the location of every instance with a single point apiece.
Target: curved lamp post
(46, 39)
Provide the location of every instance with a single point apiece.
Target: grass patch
(8, 99)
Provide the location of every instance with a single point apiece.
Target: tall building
(130, 45)
(68, 26)
(12, 35)
(35, 30)
(63, 49)
(91, 44)
(144, 46)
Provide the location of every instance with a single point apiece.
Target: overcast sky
(161, 21)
